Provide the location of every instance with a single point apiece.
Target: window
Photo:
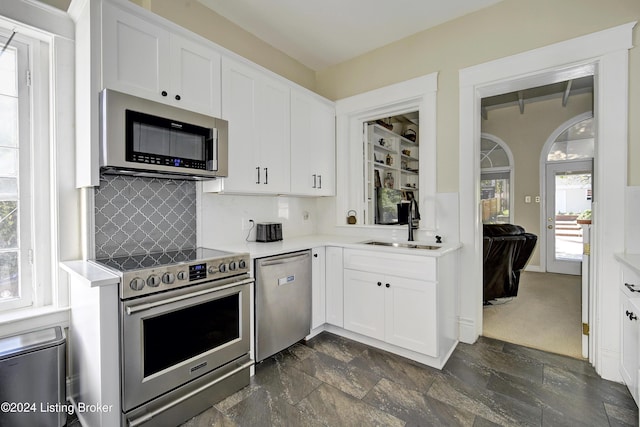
(575, 143)
(495, 180)
(25, 220)
(392, 177)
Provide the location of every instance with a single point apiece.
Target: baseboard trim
(608, 367)
(467, 329)
(534, 268)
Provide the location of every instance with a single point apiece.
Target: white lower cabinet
(630, 345)
(334, 286)
(404, 303)
(318, 287)
(410, 315)
(630, 321)
(364, 303)
(393, 309)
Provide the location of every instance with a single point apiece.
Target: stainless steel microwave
(147, 138)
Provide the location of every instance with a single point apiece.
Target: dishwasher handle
(284, 259)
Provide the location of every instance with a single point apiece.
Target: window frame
(35, 145)
(502, 169)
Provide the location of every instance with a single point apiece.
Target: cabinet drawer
(402, 265)
(630, 282)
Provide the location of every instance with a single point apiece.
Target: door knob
(550, 227)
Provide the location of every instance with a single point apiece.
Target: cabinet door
(257, 109)
(411, 314)
(630, 345)
(334, 279)
(195, 76)
(135, 54)
(312, 146)
(239, 92)
(274, 136)
(325, 148)
(318, 296)
(364, 303)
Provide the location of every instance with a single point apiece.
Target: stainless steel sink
(402, 245)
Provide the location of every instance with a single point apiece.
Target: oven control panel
(157, 279)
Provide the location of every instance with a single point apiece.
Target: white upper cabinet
(195, 76)
(258, 111)
(312, 146)
(147, 60)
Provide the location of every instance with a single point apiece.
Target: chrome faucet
(412, 219)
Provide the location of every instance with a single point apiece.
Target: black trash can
(32, 379)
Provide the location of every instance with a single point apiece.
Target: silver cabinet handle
(319, 181)
(266, 175)
(258, 169)
(314, 181)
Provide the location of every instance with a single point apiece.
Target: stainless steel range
(184, 332)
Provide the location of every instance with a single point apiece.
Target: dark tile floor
(332, 381)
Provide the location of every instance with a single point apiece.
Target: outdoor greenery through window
(495, 181)
(15, 265)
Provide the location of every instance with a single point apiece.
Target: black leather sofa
(506, 251)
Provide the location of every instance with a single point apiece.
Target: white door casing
(604, 54)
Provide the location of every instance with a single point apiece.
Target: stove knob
(212, 270)
(182, 275)
(233, 265)
(153, 281)
(242, 264)
(137, 284)
(168, 278)
(222, 268)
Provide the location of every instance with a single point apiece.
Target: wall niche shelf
(392, 162)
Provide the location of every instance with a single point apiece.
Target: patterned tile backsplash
(136, 215)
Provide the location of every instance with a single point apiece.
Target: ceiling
(322, 33)
(562, 90)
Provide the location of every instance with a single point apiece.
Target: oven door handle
(149, 415)
(142, 307)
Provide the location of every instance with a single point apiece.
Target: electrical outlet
(247, 224)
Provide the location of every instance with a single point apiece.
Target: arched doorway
(566, 182)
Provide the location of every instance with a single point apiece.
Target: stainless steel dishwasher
(283, 301)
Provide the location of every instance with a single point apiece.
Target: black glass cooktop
(157, 259)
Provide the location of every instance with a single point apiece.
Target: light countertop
(93, 275)
(630, 260)
(260, 249)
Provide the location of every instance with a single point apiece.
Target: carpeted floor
(545, 315)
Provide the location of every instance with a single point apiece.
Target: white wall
(221, 216)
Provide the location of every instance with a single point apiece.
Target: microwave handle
(212, 151)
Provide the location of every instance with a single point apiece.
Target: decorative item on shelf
(385, 124)
(389, 160)
(410, 134)
(382, 142)
(351, 217)
(406, 152)
(388, 180)
(378, 182)
(397, 127)
(404, 165)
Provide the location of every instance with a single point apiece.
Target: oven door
(172, 338)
